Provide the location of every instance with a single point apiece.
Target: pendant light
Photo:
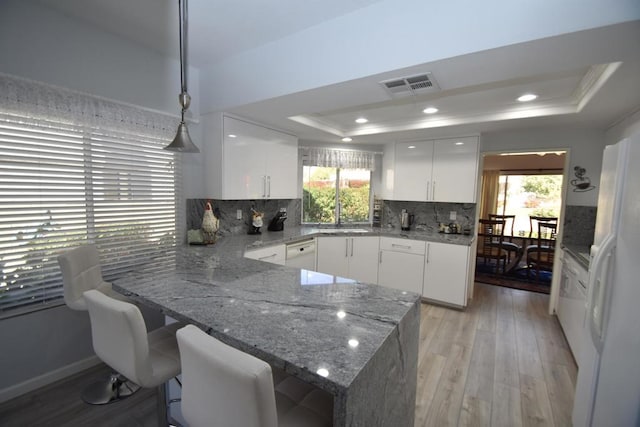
(182, 142)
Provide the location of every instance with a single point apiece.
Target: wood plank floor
(502, 362)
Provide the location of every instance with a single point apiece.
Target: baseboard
(47, 378)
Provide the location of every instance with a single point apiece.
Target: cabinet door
(244, 163)
(455, 170)
(400, 270)
(412, 171)
(333, 256)
(281, 154)
(445, 277)
(363, 259)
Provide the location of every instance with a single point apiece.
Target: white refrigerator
(608, 386)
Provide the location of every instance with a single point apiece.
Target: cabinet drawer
(403, 245)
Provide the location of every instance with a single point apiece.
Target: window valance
(28, 98)
(337, 158)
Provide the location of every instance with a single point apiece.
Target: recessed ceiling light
(346, 139)
(527, 97)
(361, 120)
(430, 110)
(411, 146)
(232, 135)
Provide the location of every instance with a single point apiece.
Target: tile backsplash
(226, 211)
(428, 215)
(579, 225)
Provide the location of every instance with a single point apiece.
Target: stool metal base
(110, 390)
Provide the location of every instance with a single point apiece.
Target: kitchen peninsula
(357, 341)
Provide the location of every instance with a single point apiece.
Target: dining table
(357, 341)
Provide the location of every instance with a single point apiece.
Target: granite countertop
(292, 234)
(297, 320)
(580, 252)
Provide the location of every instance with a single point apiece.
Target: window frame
(337, 221)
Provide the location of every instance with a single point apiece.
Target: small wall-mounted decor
(210, 224)
(581, 183)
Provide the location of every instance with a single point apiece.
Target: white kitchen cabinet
(443, 170)
(571, 302)
(250, 161)
(455, 170)
(446, 273)
(413, 170)
(275, 254)
(351, 257)
(401, 264)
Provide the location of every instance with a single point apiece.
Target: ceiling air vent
(411, 85)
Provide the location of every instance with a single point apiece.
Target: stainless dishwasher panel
(302, 254)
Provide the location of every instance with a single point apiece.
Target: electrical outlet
(239, 214)
(453, 215)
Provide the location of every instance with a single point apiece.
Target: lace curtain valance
(336, 158)
(28, 98)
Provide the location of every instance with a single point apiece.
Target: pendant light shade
(182, 142)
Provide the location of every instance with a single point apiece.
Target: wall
(630, 125)
(41, 44)
(585, 148)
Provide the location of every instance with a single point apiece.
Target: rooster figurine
(210, 224)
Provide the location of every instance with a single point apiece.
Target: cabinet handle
(428, 185)
(346, 247)
(268, 185)
(380, 257)
(428, 247)
(268, 256)
(352, 246)
(433, 191)
(394, 245)
(264, 186)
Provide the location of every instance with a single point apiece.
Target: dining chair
(490, 245)
(120, 340)
(513, 249)
(540, 256)
(233, 388)
(81, 272)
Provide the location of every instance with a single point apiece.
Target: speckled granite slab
(357, 341)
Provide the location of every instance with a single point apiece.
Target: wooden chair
(535, 220)
(513, 249)
(490, 245)
(540, 256)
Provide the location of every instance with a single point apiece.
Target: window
(336, 185)
(525, 194)
(62, 185)
(333, 195)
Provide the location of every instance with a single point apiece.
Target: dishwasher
(302, 254)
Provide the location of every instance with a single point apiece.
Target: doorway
(525, 192)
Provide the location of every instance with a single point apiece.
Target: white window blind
(62, 185)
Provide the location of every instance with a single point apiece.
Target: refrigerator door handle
(598, 289)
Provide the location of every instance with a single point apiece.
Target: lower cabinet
(401, 264)
(446, 273)
(351, 257)
(274, 254)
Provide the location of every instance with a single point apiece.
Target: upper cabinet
(442, 170)
(255, 162)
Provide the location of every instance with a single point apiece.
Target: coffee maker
(277, 222)
(405, 220)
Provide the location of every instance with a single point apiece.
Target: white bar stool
(223, 386)
(81, 271)
(121, 340)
